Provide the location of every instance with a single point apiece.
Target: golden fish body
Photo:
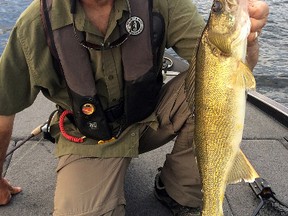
(221, 79)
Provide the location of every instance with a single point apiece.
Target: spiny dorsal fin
(190, 84)
(191, 73)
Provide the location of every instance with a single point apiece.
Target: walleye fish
(221, 80)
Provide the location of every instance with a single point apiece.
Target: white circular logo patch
(134, 25)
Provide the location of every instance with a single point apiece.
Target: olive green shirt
(26, 65)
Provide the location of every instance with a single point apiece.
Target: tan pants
(95, 186)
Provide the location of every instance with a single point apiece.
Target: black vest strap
(137, 64)
(77, 70)
(141, 55)
(44, 9)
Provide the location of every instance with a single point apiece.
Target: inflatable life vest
(145, 31)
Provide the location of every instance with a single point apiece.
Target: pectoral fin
(221, 42)
(242, 170)
(249, 78)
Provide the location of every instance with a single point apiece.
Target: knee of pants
(90, 186)
(117, 211)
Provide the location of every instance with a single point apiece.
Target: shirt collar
(61, 16)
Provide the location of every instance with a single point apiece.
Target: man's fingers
(258, 11)
(6, 191)
(15, 190)
(257, 25)
(5, 198)
(253, 36)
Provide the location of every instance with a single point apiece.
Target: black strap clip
(264, 192)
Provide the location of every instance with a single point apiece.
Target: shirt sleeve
(17, 90)
(185, 26)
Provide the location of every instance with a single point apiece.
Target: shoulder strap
(62, 46)
(45, 7)
(141, 62)
(133, 64)
(75, 62)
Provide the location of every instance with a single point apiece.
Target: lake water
(271, 72)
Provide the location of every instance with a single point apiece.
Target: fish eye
(217, 6)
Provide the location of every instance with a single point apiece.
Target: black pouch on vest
(90, 117)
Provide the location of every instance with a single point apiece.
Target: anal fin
(242, 169)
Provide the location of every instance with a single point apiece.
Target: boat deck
(32, 167)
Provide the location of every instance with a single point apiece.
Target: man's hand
(6, 191)
(258, 12)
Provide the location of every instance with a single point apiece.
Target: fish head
(228, 26)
